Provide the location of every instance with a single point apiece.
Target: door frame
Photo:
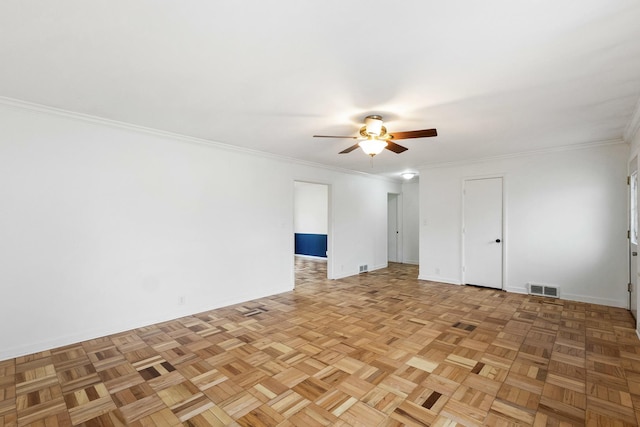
(399, 225)
(632, 167)
(505, 237)
(330, 268)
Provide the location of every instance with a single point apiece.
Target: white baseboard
(411, 261)
(579, 298)
(187, 310)
(595, 300)
(575, 297)
(315, 258)
(345, 274)
(440, 279)
(380, 266)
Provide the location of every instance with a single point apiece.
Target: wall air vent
(364, 268)
(544, 290)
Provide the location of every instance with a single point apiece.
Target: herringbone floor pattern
(379, 349)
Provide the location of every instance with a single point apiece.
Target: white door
(392, 228)
(633, 237)
(482, 232)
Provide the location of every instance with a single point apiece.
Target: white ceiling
(494, 77)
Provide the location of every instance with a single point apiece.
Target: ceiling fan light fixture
(373, 125)
(372, 146)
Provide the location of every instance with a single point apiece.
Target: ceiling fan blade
(396, 148)
(424, 133)
(334, 136)
(350, 149)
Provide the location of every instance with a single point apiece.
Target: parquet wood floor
(379, 349)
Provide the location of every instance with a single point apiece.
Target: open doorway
(311, 231)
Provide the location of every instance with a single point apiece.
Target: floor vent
(544, 290)
(364, 268)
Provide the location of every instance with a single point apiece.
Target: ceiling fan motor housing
(373, 125)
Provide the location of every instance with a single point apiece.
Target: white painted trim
(331, 262)
(505, 233)
(187, 311)
(574, 297)
(400, 220)
(592, 300)
(632, 167)
(352, 273)
(583, 146)
(461, 255)
(519, 290)
(411, 261)
(399, 227)
(637, 333)
(439, 279)
(345, 274)
(633, 126)
(311, 257)
(379, 266)
(30, 106)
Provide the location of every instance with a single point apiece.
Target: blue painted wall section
(311, 244)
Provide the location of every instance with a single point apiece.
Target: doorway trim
(632, 223)
(399, 227)
(505, 237)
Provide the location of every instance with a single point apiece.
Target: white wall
(105, 228)
(565, 221)
(311, 208)
(411, 221)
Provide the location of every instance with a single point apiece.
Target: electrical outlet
(182, 300)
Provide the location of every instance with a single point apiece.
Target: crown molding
(633, 126)
(87, 118)
(572, 147)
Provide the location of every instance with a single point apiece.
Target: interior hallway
(377, 349)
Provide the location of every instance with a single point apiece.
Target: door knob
(497, 240)
(634, 253)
